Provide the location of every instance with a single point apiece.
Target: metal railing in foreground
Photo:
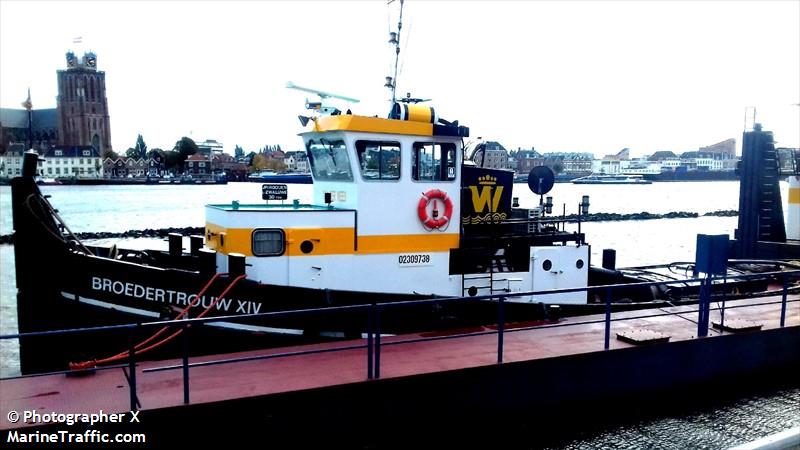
(376, 310)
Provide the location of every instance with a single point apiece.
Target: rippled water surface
(725, 425)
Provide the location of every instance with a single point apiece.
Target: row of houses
(293, 161)
(717, 157)
(493, 155)
(714, 158)
(570, 163)
(85, 162)
(197, 165)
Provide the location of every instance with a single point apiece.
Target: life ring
(422, 209)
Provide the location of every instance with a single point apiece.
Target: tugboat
(397, 214)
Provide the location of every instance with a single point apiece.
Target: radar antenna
(321, 108)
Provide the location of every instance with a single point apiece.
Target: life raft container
(422, 209)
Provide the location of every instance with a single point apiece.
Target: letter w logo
(479, 201)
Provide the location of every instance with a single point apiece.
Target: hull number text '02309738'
(414, 260)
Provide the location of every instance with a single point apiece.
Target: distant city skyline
(569, 76)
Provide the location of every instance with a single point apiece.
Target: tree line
(175, 158)
(262, 159)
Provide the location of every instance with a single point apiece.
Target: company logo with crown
(487, 180)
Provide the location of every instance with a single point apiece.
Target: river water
(121, 208)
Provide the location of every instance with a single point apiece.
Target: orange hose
(199, 316)
(180, 315)
(137, 348)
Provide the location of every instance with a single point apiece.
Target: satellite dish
(541, 179)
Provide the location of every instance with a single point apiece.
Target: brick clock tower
(82, 107)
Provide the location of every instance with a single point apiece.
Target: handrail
(425, 339)
(432, 300)
(373, 344)
(436, 338)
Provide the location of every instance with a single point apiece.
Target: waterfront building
(276, 155)
(726, 148)
(494, 157)
(11, 160)
(716, 157)
(708, 164)
(209, 147)
(607, 166)
(78, 162)
(197, 164)
(297, 161)
(612, 164)
(124, 167)
(525, 160)
(662, 155)
(569, 163)
(227, 164)
(670, 164)
(789, 158)
(699, 160)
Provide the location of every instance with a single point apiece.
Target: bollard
(195, 244)
(175, 244)
(30, 163)
(208, 262)
(609, 259)
(236, 264)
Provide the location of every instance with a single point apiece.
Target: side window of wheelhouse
(379, 160)
(268, 242)
(433, 161)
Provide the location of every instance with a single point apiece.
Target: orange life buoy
(422, 209)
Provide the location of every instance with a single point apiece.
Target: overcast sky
(561, 76)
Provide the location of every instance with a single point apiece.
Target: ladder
(770, 208)
(484, 282)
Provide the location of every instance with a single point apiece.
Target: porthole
(472, 291)
(547, 264)
(579, 264)
(306, 247)
(267, 242)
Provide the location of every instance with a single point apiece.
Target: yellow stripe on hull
(331, 241)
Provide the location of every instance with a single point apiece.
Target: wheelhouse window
(433, 161)
(329, 160)
(268, 242)
(379, 160)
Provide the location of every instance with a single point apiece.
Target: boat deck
(108, 390)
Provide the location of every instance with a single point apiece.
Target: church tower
(82, 107)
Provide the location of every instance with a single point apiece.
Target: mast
(394, 38)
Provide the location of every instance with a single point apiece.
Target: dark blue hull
(698, 175)
(292, 178)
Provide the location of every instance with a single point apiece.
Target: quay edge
(534, 401)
